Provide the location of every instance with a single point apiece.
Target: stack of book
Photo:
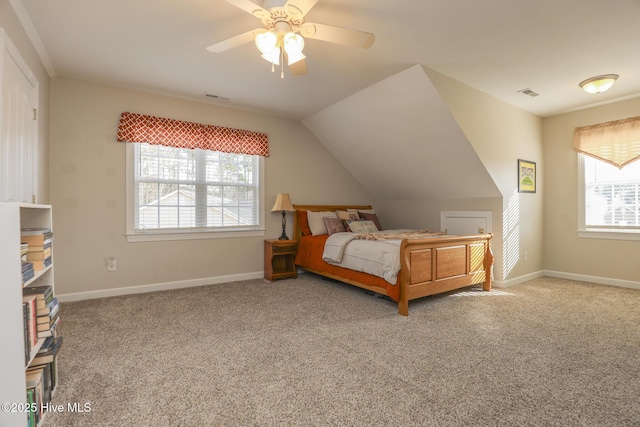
(41, 317)
(47, 309)
(42, 377)
(27, 271)
(30, 321)
(35, 396)
(38, 242)
(48, 322)
(48, 352)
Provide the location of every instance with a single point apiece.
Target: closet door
(18, 127)
(466, 222)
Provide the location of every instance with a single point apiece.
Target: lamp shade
(599, 84)
(283, 203)
(266, 42)
(272, 56)
(293, 45)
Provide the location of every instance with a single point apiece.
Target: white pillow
(316, 223)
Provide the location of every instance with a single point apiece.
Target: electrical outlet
(111, 263)
(526, 256)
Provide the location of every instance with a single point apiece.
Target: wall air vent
(529, 92)
(217, 97)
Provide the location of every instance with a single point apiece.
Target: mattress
(309, 256)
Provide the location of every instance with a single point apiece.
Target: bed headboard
(319, 208)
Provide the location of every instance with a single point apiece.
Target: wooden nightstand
(279, 256)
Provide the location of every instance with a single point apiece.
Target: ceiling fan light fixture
(293, 45)
(599, 84)
(287, 19)
(295, 57)
(272, 56)
(293, 42)
(266, 42)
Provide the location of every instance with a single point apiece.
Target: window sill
(609, 234)
(159, 237)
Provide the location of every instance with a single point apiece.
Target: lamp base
(284, 226)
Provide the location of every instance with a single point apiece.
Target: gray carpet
(310, 352)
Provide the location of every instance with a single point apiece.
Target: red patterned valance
(179, 134)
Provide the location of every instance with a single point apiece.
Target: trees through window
(194, 190)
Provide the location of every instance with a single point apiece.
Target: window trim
(596, 233)
(134, 236)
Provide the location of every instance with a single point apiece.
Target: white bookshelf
(13, 217)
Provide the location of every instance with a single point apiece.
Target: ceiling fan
(283, 32)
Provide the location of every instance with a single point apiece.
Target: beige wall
(564, 252)
(11, 24)
(500, 134)
(88, 189)
(421, 214)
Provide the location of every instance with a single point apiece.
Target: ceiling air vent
(529, 92)
(217, 97)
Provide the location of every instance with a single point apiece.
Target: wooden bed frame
(428, 266)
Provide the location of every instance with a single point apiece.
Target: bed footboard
(436, 265)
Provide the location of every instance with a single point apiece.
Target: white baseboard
(128, 290)
(568, 276)
(593, 279)
(517, 280)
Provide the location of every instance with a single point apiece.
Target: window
(610, 199)
(181, 193)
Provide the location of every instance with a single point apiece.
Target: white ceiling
(496, 46)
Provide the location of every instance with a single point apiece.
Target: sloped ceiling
(401, 142)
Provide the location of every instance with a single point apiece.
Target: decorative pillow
(316, 223)
(303, 223)
(334, 225)
(371, 217)
(362, 226)
(348, 215)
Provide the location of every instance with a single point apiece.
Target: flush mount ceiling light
(599, 83)
(281, 38)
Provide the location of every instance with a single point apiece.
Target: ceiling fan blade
(340, 35)
(299, 8)
(250, 7)
(298, 68)
(236, 41)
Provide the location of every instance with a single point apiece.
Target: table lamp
(283, 203)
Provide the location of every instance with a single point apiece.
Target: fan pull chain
(282, 63)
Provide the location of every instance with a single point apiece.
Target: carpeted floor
(310, 352)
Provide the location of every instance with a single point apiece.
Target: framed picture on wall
(526, 176)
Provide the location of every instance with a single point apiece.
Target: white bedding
(378, 257)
